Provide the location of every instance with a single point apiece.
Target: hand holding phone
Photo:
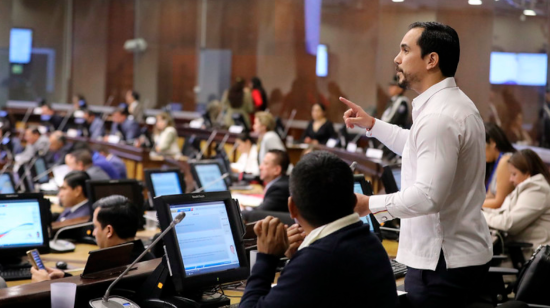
(35, 259)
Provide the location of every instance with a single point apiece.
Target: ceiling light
(474, 2)
(529, 13)
(397, 0)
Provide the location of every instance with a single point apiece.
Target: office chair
(191, 146)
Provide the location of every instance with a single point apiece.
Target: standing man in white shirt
(444, 238)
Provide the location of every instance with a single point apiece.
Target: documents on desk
(248, 200)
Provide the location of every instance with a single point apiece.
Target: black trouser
(457, 287)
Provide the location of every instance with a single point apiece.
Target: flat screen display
(20, 45)
(321, 67)
(166, 183)
(397, 177)
(205, 239)
(20, 224)
(6, 186)
(366, 219)
(210, 177)
(524, 69)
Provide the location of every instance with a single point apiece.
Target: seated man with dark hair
(59, 148)
(127, 128)
(95, 126)
(114, 160)
(116, 221)
(51, 117)
(73, 196)
(82, 160)
(340, 263)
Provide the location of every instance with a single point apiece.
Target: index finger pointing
(350, 104)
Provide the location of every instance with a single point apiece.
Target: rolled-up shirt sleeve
(437, 144)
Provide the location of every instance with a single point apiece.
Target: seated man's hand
(48, 274)
(362, 206)
(272, 239)
(296, 236)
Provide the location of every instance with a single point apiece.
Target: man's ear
(432, 60)
(110, 231)
(292, 209)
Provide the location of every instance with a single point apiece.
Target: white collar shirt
(442, 181)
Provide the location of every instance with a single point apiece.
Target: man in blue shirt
(339, 263)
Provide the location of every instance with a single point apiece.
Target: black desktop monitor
(130, 189)
(205, 249)
(7, 185)
(164, 182)
(361, 186)
(391, 178)
(24, 220)
(208, 174)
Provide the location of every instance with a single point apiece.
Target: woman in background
(165, 136)
(498, 150)
(237, 100)
(264, 124)
(248, 160)
(319, 130)
(525, 213)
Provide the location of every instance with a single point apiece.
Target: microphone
(118, 301)
(289, 122)
(211, 183)
(27, 116)
(65, 120)
(27, 172)
(353, 166)
(208, 142)
(224, 141)
(107, 104)
(63, 245)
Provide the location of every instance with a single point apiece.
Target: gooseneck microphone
(118, 301)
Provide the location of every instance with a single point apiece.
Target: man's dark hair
(120, 213)
(49, 106)
(321, 186)
(102, 149)
(89, 112)
(77, 178)
(35, 131)
(443, 40)
(122, 110)
(84, 156)
(81, 145)
(135, 95)
(281, 159)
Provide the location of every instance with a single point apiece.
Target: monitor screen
(20, 223)
(40, 169)
(6, 185)
(321, 67)
(205, 238)
(166, 183)
(358, 189)
(20, 45)
(524, 69)
(210, 177)
(397, 176)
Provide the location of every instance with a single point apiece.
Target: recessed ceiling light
(474, 2)
(397, 0)
(529, 13)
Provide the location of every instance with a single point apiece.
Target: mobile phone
(35, 259)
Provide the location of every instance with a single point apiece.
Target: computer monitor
(130, 189)
(24, 219)
(361, 186)
(164, 182)
(7, 185)
(391, 178)
(39, 169)
(205, 249)
(208, 175)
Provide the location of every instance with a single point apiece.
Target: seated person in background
(397, 112)
(237, 100)
(96, 127)
(81, 160)
(340, 263)
(248, 160)
(116, 221)
(114, 160)
(73, 197)
(79, 102)
(55, 120)
(264, 124)
(319, 130)
(98, 160)
(497, 152)
(525, 213)
(5, 132)
(37, 144)
(59, 147)
(165, 136)
(273, 174)
(135, 108)
(128, 129)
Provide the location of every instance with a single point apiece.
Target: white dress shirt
(326, 230)
(442, 181)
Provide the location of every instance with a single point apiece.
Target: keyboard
(399, 270)
(21, 273)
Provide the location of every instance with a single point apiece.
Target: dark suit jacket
(276, 197)
(58, 156)
(119, 166)
(84, 210)
(129, 130)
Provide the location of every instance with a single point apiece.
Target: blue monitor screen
(205, 238)
(20, 223)
(6, 186)
(524, 69)
(210, 177)
(40, 167)
(20, 45)
(397, 176)
(166, 183)
(359, 190)
(321, 67)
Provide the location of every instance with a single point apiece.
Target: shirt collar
(76, 207)
(426, 95)
(271, 183)
(323, 231)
